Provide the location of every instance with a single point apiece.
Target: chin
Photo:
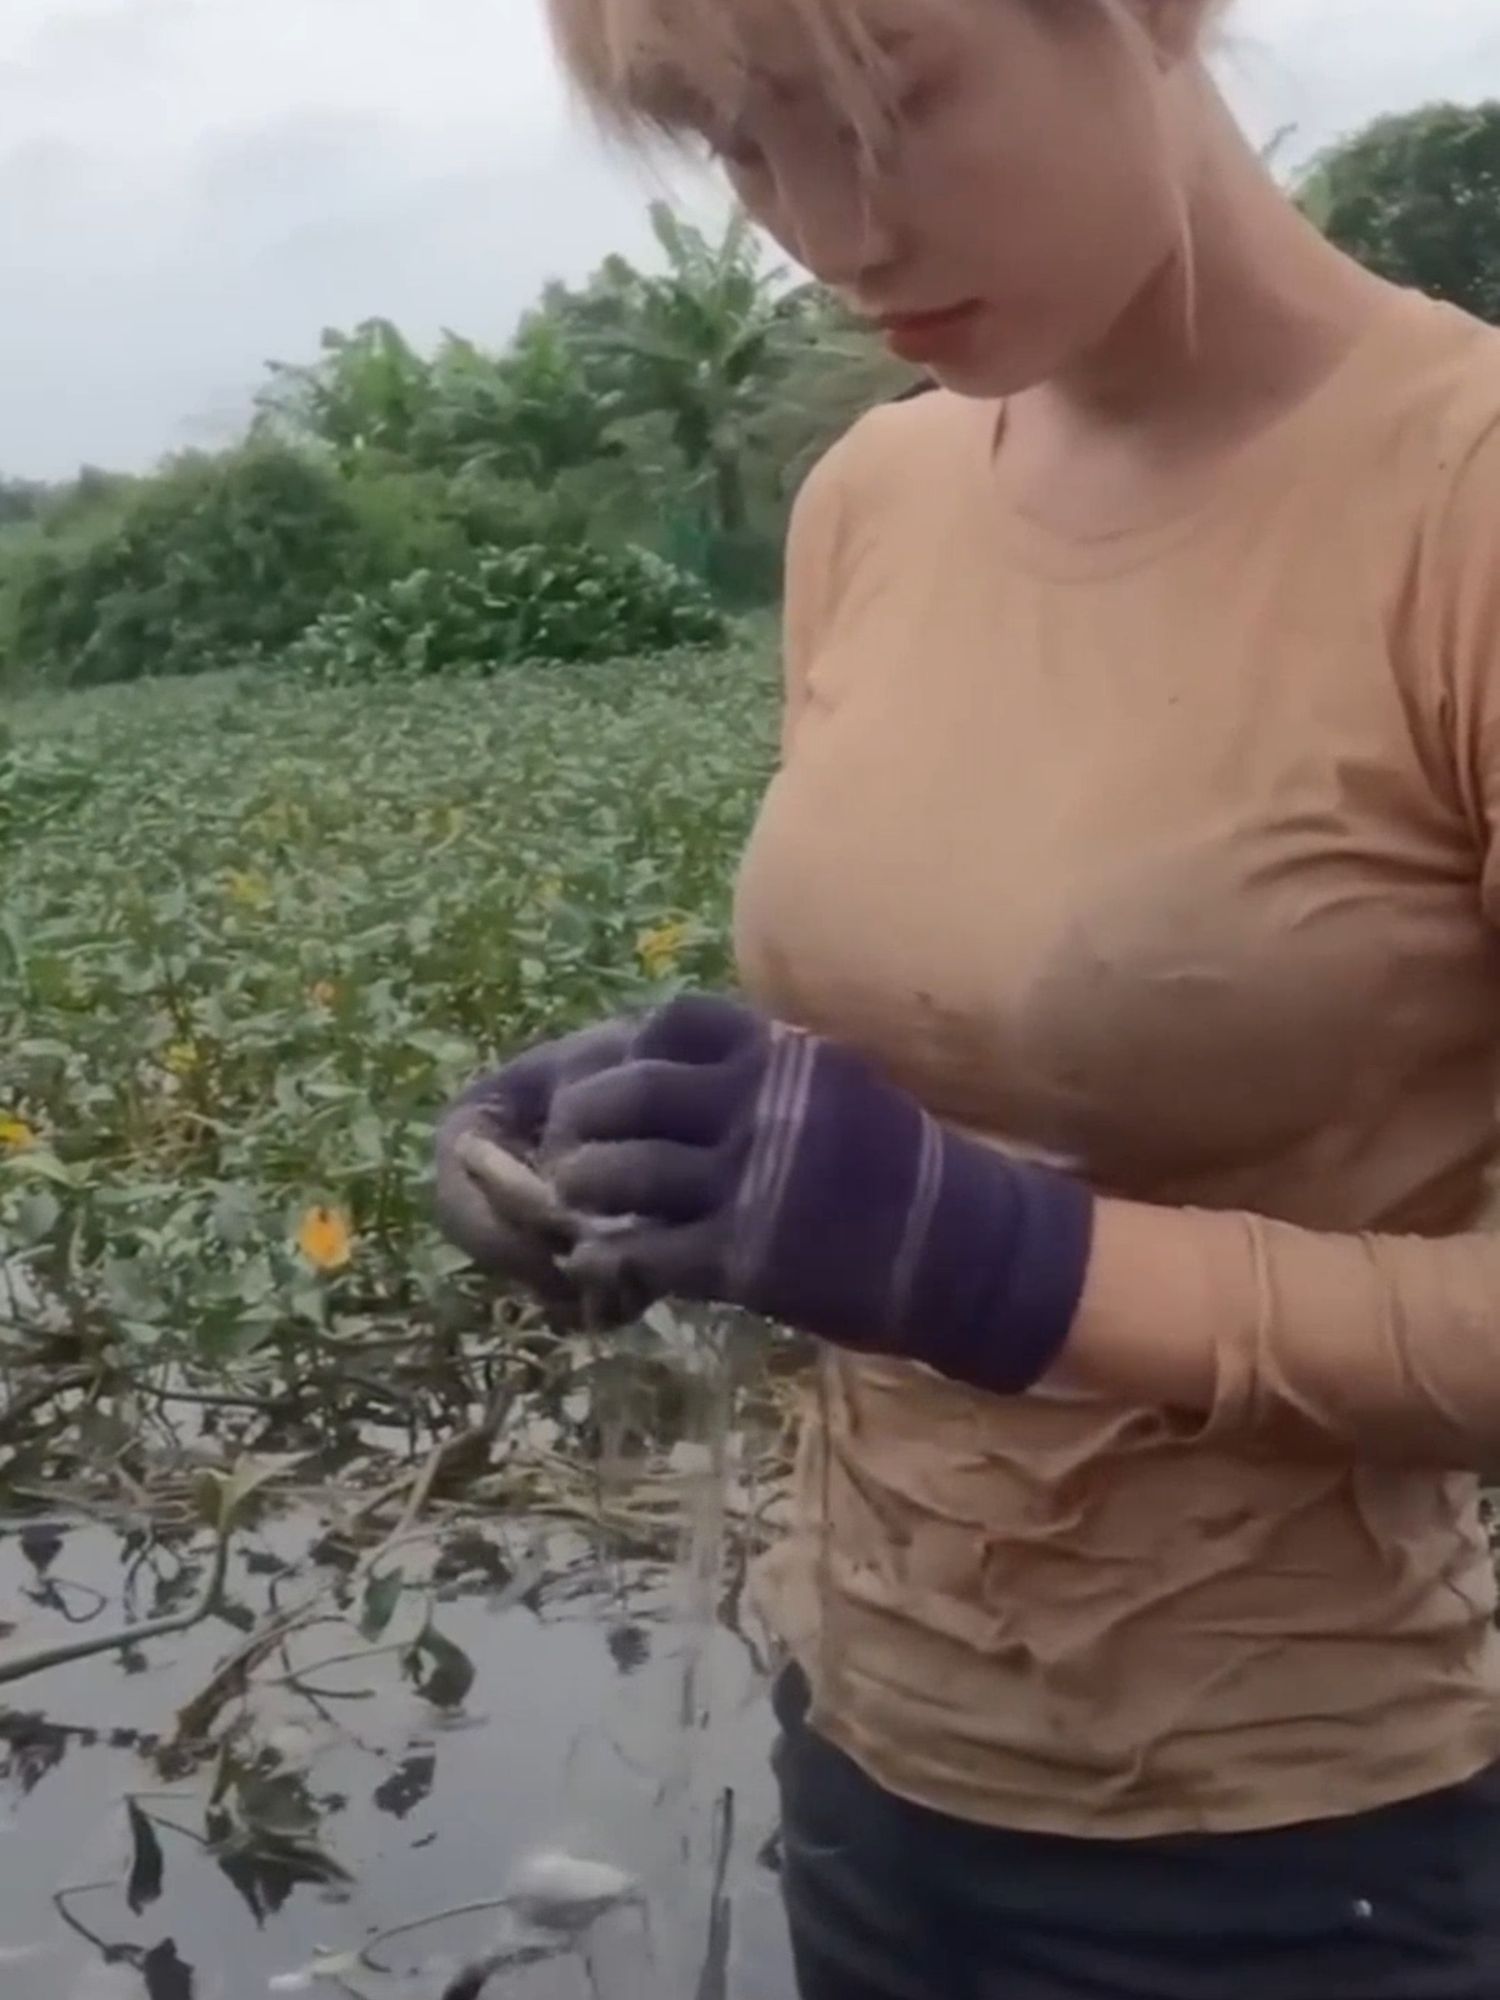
(996, 360)
(1022, 356)
(991, 377)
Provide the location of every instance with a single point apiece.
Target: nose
(834, 223)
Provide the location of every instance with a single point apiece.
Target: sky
(190, 188)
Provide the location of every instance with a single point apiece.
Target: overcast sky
(192, 186)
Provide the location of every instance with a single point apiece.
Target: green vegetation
(255, 932)
(1417, 198)
(665, 414)
(257, 927)
(521, 605)
(614, 480)
(420, 721)
(427, 718)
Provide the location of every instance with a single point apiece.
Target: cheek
(1059, 214)
(756, 194)
(801, 207)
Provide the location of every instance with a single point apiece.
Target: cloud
(143, 307)
(1328, 66)
(190, 187)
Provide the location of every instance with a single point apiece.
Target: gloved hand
(775, 1170)
(510, 1106)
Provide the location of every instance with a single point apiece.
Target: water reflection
(378, 1778)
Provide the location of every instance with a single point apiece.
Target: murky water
(363, 1787)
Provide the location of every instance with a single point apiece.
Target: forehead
(674, 61)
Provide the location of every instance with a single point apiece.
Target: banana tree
(700, 345)
(370, 391)
(530, 413)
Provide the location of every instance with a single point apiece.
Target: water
(120, 1880)
(691, 1789)
(680, 1846)
(681, 1843)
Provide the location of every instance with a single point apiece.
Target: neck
(1252, 308)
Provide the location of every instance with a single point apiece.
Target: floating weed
(279, 926)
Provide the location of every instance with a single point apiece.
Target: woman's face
(1028, 191)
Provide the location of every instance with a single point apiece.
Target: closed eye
(739, 150)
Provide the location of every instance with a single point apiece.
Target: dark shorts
(888, 1901)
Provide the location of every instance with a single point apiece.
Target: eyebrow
(661, 92)
(664, 94)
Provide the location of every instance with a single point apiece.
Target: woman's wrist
(1006, 1254)
(1144, 1328)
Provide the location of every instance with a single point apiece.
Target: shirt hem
(1330, 1794)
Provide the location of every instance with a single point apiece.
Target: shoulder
(884, 441)
(1439, 470)
(883, 459)
(1443, 404)
(1469, 436)
(1454, 430)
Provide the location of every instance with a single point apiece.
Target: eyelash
(744, 156)
(741, 154)
(918, 99)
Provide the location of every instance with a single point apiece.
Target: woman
(1117, 1083)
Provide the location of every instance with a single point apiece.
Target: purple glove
(774, 1170)
(510, 1106)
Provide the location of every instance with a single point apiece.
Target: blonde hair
(675, 68)
(669, 68)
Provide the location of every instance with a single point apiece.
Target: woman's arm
(1385, 1346)
(1388, 1346)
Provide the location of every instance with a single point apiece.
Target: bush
(414, 518)
(213, 559)
(41, 782)
(538, 602)
(1416, 197)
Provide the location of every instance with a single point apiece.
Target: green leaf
(381, 1596)
(147, 1864)
(38, 1164)
(442, 1672)
(246, 1479)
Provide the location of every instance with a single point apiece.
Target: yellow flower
(549, 891)
(249, 889)
(16, 1136)
(181, 1058)
(660, 949)
(276, 820)
(326, 1239)
(324, 993)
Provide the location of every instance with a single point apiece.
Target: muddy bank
(384, 1764)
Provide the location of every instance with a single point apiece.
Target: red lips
(926, 336)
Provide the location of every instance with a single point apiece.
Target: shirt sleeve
(1380, 1347)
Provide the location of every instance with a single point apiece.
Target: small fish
(516, 1191)
(523, 1198)
(551, 1891)
(567, 1892)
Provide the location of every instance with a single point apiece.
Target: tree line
(674, 409)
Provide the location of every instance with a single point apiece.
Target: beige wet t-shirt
(1170, 855)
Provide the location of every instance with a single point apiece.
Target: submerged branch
(69, 1650)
